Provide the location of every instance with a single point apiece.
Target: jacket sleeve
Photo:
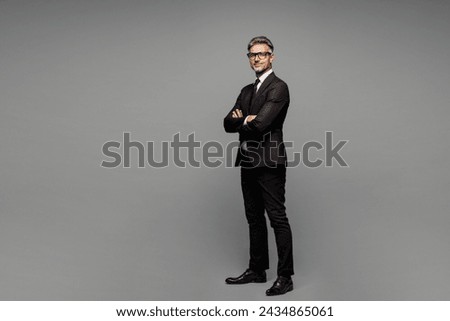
(233, 125)
(277, 99)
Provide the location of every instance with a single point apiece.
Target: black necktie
(255, 89)
(255, 86)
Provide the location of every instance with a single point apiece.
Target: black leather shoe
(281, 286)
(248, 276)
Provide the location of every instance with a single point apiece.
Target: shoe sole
(253, 281)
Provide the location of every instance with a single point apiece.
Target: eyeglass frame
(252, 55)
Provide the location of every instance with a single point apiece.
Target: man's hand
(237, 113)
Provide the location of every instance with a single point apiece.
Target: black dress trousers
(263, 190)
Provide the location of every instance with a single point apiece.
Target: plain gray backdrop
(76, 74)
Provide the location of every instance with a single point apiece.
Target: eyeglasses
(261, 55)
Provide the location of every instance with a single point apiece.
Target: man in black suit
(258, 117)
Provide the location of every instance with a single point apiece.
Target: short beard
(260, 70)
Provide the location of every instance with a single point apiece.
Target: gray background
(75, 74)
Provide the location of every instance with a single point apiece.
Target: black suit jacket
(263, 135)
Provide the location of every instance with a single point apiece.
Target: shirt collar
(264, 76)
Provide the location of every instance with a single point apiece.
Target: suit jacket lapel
(247, 102)
(261, 89)
(266, 83)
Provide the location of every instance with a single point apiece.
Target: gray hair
(260, 40)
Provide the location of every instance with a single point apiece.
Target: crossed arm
(277, 100)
